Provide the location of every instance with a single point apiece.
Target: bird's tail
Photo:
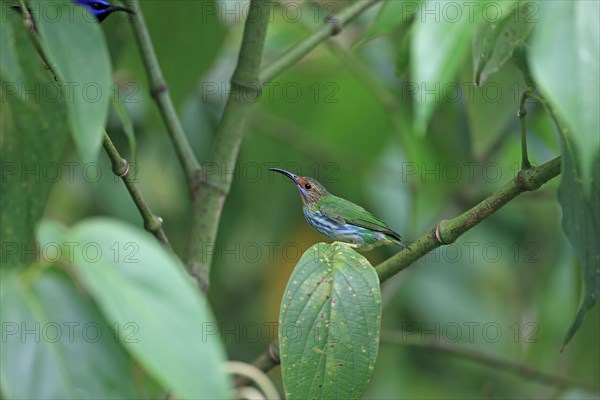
(406, 246)
(395, 238)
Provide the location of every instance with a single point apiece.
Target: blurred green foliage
(510, 287)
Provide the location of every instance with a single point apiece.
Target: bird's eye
(307, 186)
(98, 6)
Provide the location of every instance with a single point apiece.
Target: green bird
(340, 219)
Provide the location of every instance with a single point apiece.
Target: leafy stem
(120, 168)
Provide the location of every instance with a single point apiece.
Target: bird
(98, 8)
(340, 219)
(101, 9)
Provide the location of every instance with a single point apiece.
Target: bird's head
(101, 9)
(311, 191)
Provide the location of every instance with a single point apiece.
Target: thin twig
(159, 91)
(523, 370)
(521, 114)
(37, 41)
(120, 168)
(331, 27)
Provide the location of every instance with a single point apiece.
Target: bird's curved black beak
(286, 173)
(102, 16)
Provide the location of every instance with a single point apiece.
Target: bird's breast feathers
(341, 232)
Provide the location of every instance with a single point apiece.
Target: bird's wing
(343, 211)
(331, 212)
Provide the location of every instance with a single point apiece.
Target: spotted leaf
(329, 324)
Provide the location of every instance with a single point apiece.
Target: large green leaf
(56, 344)
(494, 43)
(565, 62)
(329, 324)
(135, 281)
(33, 133)
(581, 224)
(77, 52)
